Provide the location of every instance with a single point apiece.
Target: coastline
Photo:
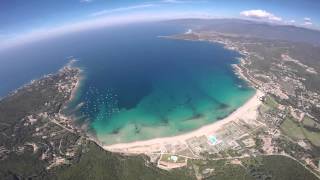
(248, 111)
(78, 78)
(76, 85)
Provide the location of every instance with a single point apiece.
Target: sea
(136, 85)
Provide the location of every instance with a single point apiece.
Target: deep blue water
(21, 64)
(136, 85)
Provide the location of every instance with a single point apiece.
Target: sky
(25, 20)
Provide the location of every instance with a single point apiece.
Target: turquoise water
(146, 87)
(138, 86)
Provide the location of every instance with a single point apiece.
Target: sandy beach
(246, 112)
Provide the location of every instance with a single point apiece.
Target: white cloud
(182, 1)
(108, 11)
(307, 21)
(171, 1)
(86, 1)
(260, 14)
(290, 22)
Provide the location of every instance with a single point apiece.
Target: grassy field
(292, 129)
(167, 158)
(220, 170)
(309, 122)
(298, 131)
(271, 102)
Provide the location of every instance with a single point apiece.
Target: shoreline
(248, 110)
(67, 65)
(77, 85)
(79, 78)
(155, 144)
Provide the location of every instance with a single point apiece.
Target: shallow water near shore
(142, 86)
(138, 86)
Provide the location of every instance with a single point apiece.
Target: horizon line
(47, 33)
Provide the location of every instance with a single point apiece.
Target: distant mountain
(255, 29)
